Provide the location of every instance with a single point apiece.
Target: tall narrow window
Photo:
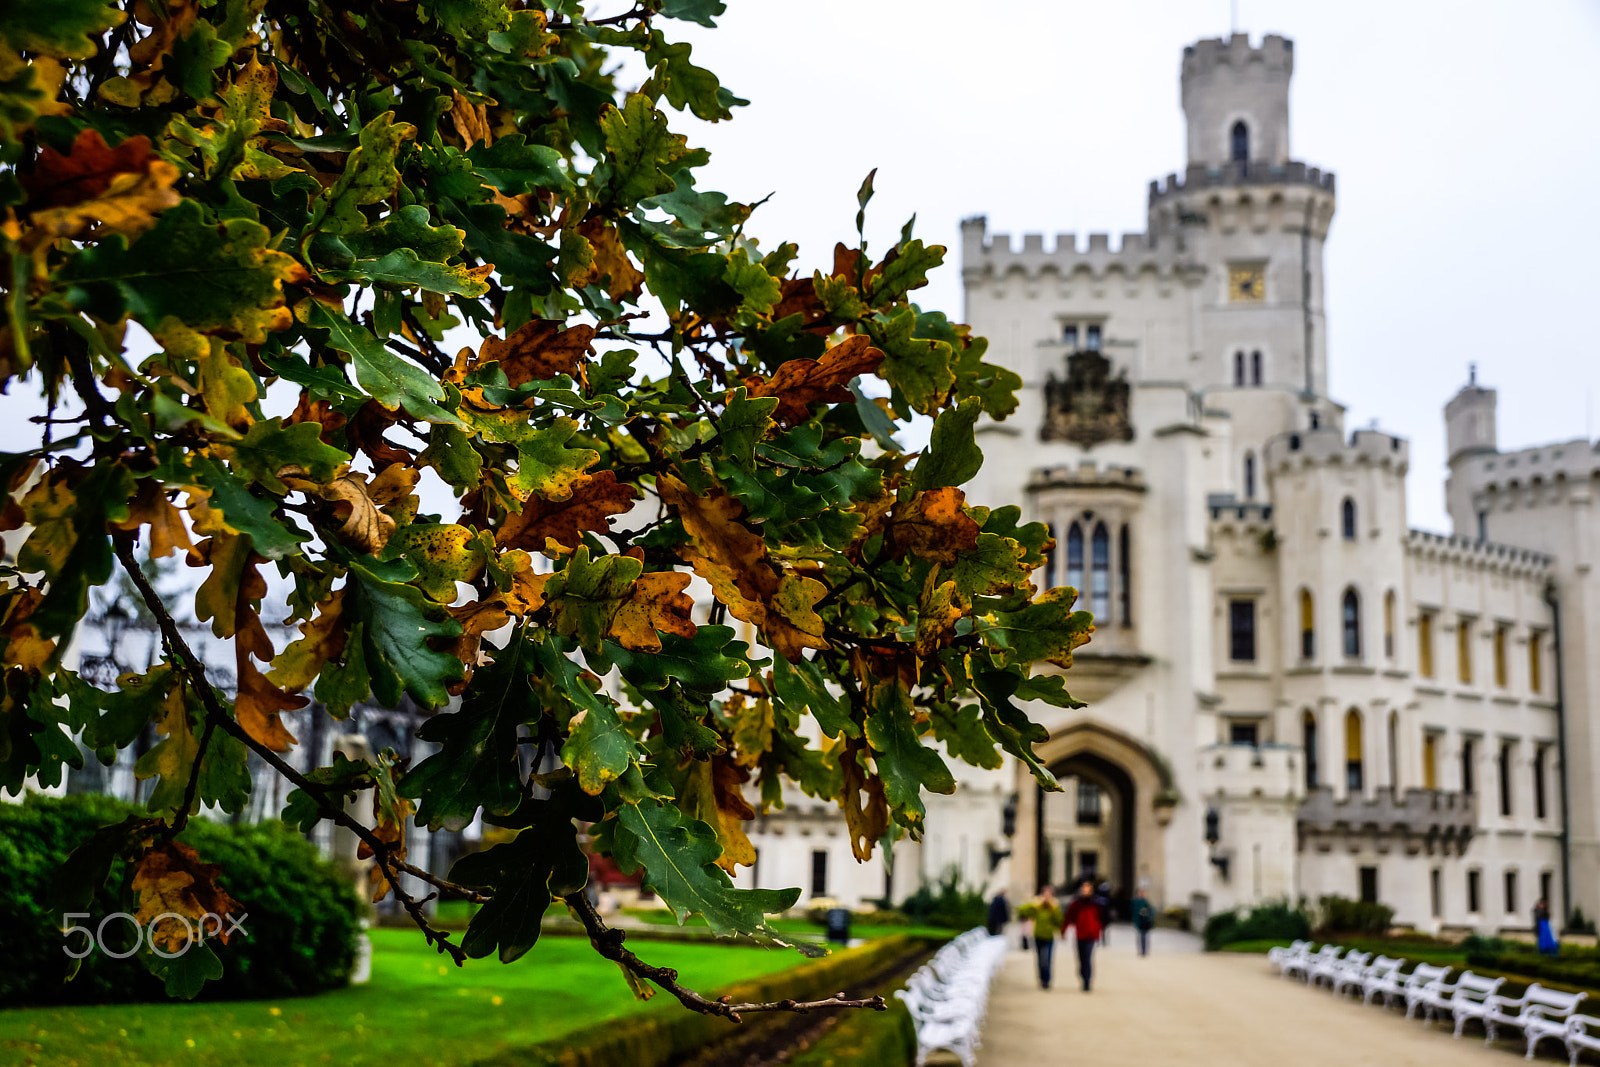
(1351, 613)
(1347, 519)
(1316, 420)
(1539, 809)
(1100, 577)
(1075, 557)
(1050, 559)
(1500, 655)
(1069, 335)
(1430, 761)
(1255, 368)
(1308, 625)
(1369, 885)
(1469, 757)
(1388, 625)
(1511, 892)
(1249, 477)
(819, 872)
(1474, 890)
(1092, 337)
(1308, 744)
(1239, 142)
(1088, 803)
(1436, 892)
(1238, 368)
(1464, 650)
(1536, 661)
(1125, 574)
(1505, 777)
(1394, 752)
(1545, 878)
(1242, 631)
(1353, 777)
(1425, 644)
(1483, 526)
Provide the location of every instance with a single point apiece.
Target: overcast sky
(1464, 136)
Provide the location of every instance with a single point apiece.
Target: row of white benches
(1539, 1013)
(948, 995)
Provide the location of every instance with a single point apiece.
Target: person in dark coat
(1083, 918)
(999, 913)
(1102, 900)
(1144, 917)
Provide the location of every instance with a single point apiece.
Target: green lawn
(418, 1008)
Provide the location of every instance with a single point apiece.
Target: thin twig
(608, 943)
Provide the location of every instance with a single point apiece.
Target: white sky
(1464, 136)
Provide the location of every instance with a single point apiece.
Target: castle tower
(1469, 420)
(1236, 99)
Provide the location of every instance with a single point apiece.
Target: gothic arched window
(1308, 743)
(1125, 575)
(1249, 477)
(1352, 751)
(1075, 556)
(1308, 625)
(1100, 573)
(1255, 367)
(1241, 142)
(1347, 519)
(1238, 368)
(1351, 614)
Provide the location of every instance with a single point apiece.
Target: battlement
(1198, 176)
(1226, 508)
(1305, 447)
(1204, 57)
(984, 254)
(1454, 549)
(1087, 475)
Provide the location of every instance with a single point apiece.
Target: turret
(1236, 99)
(1469, 420)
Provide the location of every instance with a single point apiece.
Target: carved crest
(1088, 407)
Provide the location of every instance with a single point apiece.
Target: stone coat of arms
(1089, 406)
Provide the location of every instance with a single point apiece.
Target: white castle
(1290, 692)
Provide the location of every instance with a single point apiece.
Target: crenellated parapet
(1204, 58)
(986, 255)
(1479, 555)
(1199, 177)
(1305, 448)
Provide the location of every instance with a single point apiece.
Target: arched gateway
(1138, 786)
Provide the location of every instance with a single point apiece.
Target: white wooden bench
(1539, 1013)
(1419, 979)
(1279, 955)
(1583, 1032)
(1303, 964)
(948, 996)
(1328, 970)
(1463, 999)
(1383, 977)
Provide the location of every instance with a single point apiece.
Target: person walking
(1045, 913)
(1083, 916)
(1548, 945)
(1102, 899)
(999, 913)
(1144, 917)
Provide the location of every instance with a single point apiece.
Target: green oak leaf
(269, 446)
(514, 166)
(339, 686)
(478, 765)
(409, 227)
(920, 367)
(246, 512)
(393, 382)
(1010, 725)
(469, 20)
(185, 272)
(705, 663)
(961, 731)
(68, 543)
(906, 268)
(679, 855)
(545, 465)
(742, 425)
(397, 623)
(640, 151)
(404, 269)
(752, 282)
(801, 687)
(906, 765)
(369, 176)
(1046, 629)
(66, 29)
(953, 456)
(186, 973)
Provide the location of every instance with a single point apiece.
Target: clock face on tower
(1247, 284)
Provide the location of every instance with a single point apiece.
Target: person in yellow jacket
(1047, 922)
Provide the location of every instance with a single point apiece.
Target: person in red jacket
(1083, 919)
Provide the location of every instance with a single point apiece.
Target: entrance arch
(1142, 791)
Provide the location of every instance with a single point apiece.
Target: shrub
(302, 915)
(1343, 915)
(1278, 921)
(946, 904)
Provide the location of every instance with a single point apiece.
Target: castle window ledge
(1542, 704)
(1303, 671)
(1467, 694)
(1432, 814)
(1396, 672)
(1255, 674)
(1505, 701)
(1353, 668)
(1510, 831)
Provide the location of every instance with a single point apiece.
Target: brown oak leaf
(150, 507)
(800, 383)
(171, 881)
(933, 526)
(611, 262)
(866, 820)
(322, 637)
(595, 497)
(539, 349)
(655, 601)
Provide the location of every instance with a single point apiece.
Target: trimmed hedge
(883, 1038)
(302, 915)
(1258, 924)
(659, 1038)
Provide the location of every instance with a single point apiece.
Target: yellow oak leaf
(793, 623)
(656, 601)
(322, 637)
(171, 881)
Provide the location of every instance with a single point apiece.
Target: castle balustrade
(1268, 770)
(1419, 820)
(1198, 176)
